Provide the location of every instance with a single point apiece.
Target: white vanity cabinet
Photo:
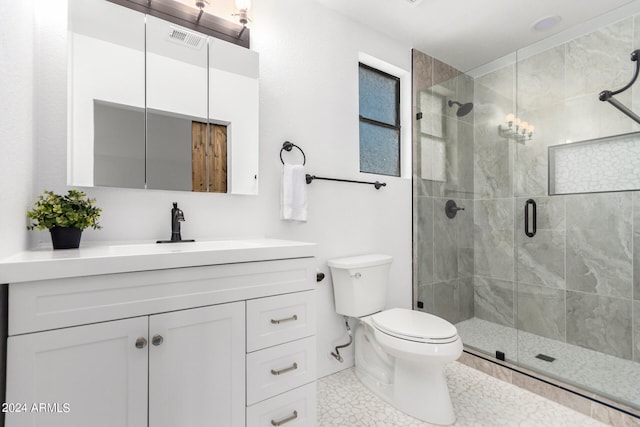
(164, 347)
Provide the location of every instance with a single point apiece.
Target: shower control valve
(451, 209)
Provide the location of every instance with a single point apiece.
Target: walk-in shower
(564, 300)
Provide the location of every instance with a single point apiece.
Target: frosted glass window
(379, 150)
(599, 165)
(379, 96)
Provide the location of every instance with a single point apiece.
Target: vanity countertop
(45, 264)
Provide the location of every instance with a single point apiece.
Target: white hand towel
(294, 193)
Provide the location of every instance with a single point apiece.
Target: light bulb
(531, 128)
(525, 126)
(517, 121)
(510, 117)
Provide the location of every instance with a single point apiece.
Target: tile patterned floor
(479, 400)
(601, 373)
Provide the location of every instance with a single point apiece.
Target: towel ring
(288, 146)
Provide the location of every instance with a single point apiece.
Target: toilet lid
(413, 325)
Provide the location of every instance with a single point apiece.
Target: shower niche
(595, 166)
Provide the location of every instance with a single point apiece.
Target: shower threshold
(603, 374)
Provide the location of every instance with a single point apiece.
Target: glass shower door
(574, 276)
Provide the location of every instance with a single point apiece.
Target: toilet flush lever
(357, 275)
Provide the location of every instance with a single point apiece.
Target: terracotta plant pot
(65, 237)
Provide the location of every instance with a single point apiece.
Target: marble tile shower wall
(443, 247)
(578, 279)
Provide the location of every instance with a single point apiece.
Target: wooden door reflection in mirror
(209, 173)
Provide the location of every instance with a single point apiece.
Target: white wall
(308, 95)
(16, 123)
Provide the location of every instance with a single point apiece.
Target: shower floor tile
(600, 373)
(478, 399)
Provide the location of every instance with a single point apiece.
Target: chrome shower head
(463, 109)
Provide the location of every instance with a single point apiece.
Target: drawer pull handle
(285, 420)
(141, 342)
(287, 319)
(285, 370)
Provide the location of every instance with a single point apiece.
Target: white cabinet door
(196, 367)
(90, 375)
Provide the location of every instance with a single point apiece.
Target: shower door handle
(530, 205)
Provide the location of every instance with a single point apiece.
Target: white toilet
(399, 353)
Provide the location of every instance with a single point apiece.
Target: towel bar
(376, 184)
(288, 146)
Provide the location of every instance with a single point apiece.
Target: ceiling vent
(186, 38)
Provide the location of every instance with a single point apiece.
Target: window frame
(397, 127)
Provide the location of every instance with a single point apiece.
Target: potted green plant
(64, 216)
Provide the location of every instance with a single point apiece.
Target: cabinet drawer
(279, 319)
(278, 369)
(295, 408)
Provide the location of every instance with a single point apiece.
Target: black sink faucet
(177, 216)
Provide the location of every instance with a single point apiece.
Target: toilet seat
(414, 325)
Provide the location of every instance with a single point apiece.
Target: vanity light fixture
(516, 129)
(243, 14)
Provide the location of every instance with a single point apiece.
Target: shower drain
(545, 357)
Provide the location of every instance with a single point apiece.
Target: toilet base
(418, 389)
(421, 391)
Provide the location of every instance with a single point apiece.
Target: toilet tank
(360, 283)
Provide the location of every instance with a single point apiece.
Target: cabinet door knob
(141, 342)
(157, 340)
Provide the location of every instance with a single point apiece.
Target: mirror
(176, 98)
(233, 82)
(180, 114)
(107, 81)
